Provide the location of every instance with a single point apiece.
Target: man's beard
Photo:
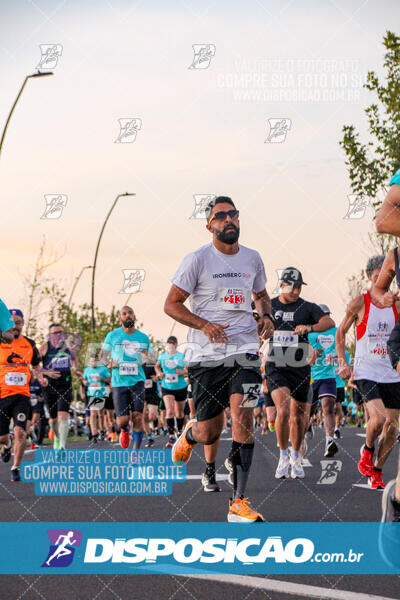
(128, 323)
(228, 237)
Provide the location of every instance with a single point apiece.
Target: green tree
(371, 164)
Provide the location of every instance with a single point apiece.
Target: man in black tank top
(388, 221)
(58, 363)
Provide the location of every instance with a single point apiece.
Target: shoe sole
(331, 453)
(293, 476)
(210, 490)
(179, 438)
(236, 519)
(282, 476)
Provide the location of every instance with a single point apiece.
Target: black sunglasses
(222, 214)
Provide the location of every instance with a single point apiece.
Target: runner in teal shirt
(125, 350)
(96, 377)
(126, 355)
(169, 368)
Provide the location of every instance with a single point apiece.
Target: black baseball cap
(292, 276)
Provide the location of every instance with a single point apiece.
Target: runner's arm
(351, 316)
(325, 322)
(263, 306)
(388, 216)
(174, 307)
(158, 370)
(380, 291)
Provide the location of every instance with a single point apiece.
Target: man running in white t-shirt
(221, 279)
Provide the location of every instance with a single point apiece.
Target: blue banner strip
(262, 548)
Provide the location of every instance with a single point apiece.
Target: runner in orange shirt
(16, 360)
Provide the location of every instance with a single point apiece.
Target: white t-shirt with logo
(220, 287)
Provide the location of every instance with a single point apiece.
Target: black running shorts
(340, 394)
(128, 399)
(212, 386)
(57, 400)
(297, 382)
(389, 393)
(179, 395)
(16, 407)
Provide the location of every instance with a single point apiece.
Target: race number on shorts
(171, 378)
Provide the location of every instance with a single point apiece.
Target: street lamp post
(76, 283)
(38, 74)
(97, 251)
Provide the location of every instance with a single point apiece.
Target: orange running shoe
(124, 439)
(113, 437)
(241, 512)
(182, 450)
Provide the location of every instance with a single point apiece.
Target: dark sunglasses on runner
(222, 214)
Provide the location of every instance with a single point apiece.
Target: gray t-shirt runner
(220, 287)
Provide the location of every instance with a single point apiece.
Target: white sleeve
(260, 279)
(186, 276)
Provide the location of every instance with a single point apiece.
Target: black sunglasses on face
(222, 214)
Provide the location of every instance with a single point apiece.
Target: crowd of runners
(249, 361)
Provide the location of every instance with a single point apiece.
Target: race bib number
(377, 349)
(148, 384)
(233, 298)
(171, 378)
(128, 369)
(251, 394)
(285, 338)
(16, 378)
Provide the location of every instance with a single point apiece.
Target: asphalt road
(288, 500)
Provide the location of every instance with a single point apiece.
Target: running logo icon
(50, 53)
(277, 289)
(203, 53)
(55, 203)
(357, 206)
(330, 471)
(278, 129)
(63, 543)
(132, 280)
(201, 202)
(128, 129)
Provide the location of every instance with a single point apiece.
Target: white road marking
(285, 587)
(366, 486)
(363, 435)
(306, 463)
(219, 477)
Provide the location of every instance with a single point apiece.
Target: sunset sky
(202, 131)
